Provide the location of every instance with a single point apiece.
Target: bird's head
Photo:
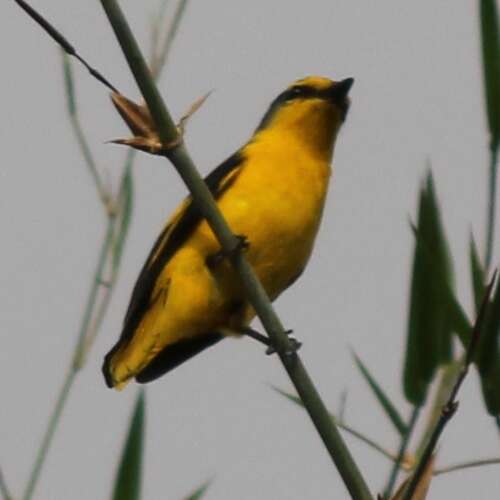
(312, 109)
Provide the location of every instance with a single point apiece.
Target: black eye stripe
(296, 92)
(299, 92)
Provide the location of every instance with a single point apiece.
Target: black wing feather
(175, 354)
(141, 295)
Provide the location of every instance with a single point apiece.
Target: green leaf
(68, 84)
(289, 396)
(459, 321)
(382, 398)
(128, 478)
(490, 45)
(125, 206)
(489, 386)
(431, 318)
(341, 425)
(199, 492)
(488, 341)
(488, 357)
(477, 274)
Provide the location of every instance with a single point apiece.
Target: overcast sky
(417, 98)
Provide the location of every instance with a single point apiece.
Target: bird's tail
(116, 366)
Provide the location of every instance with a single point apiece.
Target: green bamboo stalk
(80, 136)
(72, 371)
(88, 330)
(157, 19)
(490, 51)
(405, 440)
(100, 310)
(257, 296)
(49, 433)
(92, 300)
(82, 346)
(4, 490)
(161, 56)
(451, 406)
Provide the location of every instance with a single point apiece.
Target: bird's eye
(293, 93)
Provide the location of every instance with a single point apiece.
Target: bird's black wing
(170, 240)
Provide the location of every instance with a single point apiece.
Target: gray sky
(417, 97)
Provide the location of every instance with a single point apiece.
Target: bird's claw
(294, 345)
(241, 245)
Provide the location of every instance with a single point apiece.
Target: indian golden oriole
(272, 191)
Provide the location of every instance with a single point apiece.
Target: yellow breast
(276, 202)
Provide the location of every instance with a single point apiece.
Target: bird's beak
(338, 95)
(339, 90)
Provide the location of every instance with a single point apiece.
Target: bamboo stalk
(256, 294)
(451, 406)
(94, 309)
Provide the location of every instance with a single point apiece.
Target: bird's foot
(215, 259)
(294, 346)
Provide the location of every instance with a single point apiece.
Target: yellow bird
(272, 192)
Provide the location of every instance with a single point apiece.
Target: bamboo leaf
(431, 315)
(477, 274)
(69, 85)
(200, 491)
(390, 410)
(488, 343)
(489, 385)
(488, 358)
(460, 323)
(289, 396)
(128, 478)
(490, 45)
(125, 212)
(406, 461)
(443, 270)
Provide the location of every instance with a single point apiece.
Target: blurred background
(417, 99)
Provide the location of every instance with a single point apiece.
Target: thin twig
(49, 433)
(161, 57)
(342, 425)
(4, 490)
(368, 441)
(256, 294)
(100, 311)
(93, 295)
(447, 379)
(342, 406)
(72, 371)
(492, 198)
(450, 408)
(156, 25)
(61, 40)
(72, 108)
(402, 452)
(467, 465)
(77, 361)
(88, 328)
